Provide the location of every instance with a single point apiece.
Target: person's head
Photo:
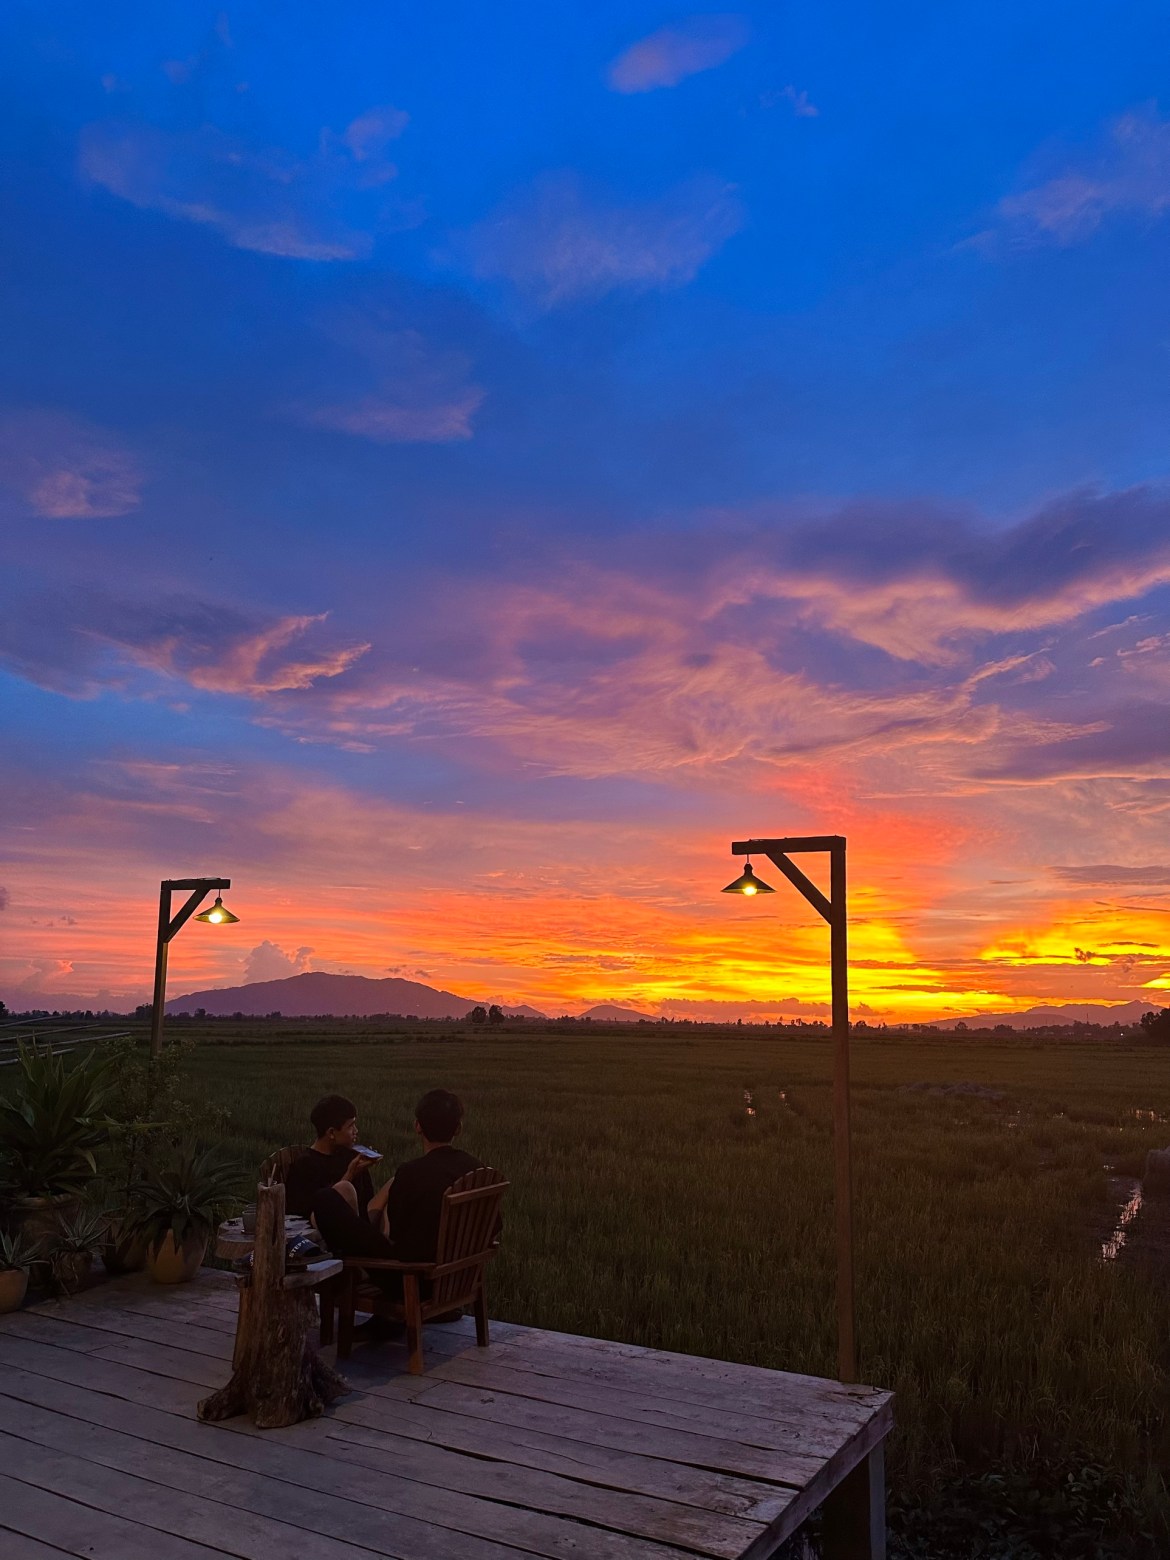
(335, 1121)
(438, 1116)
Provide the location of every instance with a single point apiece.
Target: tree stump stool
(277, 1376)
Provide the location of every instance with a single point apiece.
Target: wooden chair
(466, 1244)
(275, 1167)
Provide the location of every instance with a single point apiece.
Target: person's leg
(347, 1234)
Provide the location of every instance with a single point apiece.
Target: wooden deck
(544, 1444)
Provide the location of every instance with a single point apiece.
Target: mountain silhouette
(318, 994)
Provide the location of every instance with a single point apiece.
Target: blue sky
(602, 418)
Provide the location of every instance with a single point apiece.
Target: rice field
(675, 1190)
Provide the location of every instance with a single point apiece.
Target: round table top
(231, 1241)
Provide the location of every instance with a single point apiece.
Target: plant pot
(171, 1264)
(39, 1217)
(71, 1269)
(123, 1253)
(13, 1284)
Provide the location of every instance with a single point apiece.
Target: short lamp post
(168, 924)
(779, 852)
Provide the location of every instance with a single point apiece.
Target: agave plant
(53, 1121)
(187, 1197)
(17, 1252)
(73, 1245)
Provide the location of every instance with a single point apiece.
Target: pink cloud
(557, 244)
(370, 133)
(1127, 173)
(387, 422)
(418, 394)
(314, 207)
(66, 469)
(670, 55)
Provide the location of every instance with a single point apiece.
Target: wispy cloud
(559, 244)
(322, 207)
(83, 641)
(670, 55)
(413, 393)
(1126, 174)
(370, 133)
(65, 469)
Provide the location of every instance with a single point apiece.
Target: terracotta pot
(123, 1253)
(39, 1217)
(171, 1264)
(71, 1269)
(13, 1284)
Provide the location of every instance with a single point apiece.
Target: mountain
(611, 1013)
(1067, 1013)
(316, 994)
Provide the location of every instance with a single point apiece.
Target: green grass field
(648, 1206)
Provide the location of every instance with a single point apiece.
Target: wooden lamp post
(779, 852)
(168, 924)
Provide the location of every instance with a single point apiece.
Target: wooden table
(233, 1241)
(277, 1375)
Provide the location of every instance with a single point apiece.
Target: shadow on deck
(543, 1444)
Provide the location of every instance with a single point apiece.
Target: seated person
(413, 1199)
(331, 1161)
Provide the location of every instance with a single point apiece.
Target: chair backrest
(467, 1229)
(275, 1167)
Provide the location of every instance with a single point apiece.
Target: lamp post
(779, 852)
(168, 924)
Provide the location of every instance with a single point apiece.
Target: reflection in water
(1111, 1248)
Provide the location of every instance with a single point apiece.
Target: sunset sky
(462, 465)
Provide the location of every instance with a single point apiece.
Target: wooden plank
(305, 1459)
(585, 1437)
(811, 1436)
(52, 1330)
(135, 1386)
(817, 1493)
(18, 1546)
(547, 1452)
(256, 1487)
(747, 1388)
(601, 1429)
(76, 1529)
(226, 1527)
(131, 1324)
(586, 1497)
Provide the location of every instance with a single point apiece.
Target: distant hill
(611, 1013)
(1067, 1013)
(342, 996)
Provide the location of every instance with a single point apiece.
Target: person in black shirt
(415, 1196)
(331, 1162)
(415, 1203)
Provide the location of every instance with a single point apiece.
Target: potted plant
(152, 1105)
(180, 1205)
(17, 1255)
(72, 1247)
(52, 1122)
(123, 1247)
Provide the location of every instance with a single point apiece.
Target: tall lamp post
(779, 852)
(168, 924)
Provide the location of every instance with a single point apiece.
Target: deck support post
(855, 1512)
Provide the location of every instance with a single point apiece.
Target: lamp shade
(748, 883)
(218, 915)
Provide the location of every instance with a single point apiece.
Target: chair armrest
(387, 1264)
